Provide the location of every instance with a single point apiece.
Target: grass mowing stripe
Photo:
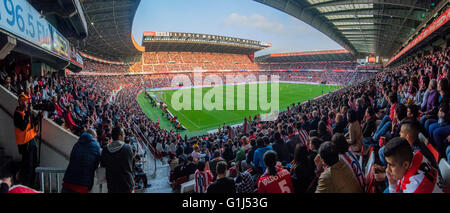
(199, 122)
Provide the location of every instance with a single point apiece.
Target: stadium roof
(328, 55)
(363, 27)
(194, 42)
(66, 15)
(109, 25)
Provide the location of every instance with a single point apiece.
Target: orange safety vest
(23, 137)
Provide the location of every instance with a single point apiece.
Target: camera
(45, 106)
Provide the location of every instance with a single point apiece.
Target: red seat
(434, 152)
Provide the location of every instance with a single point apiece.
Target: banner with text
(21, 19)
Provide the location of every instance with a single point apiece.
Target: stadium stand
(402, 113)
(91, 66)
(76, 108)
(163, 62)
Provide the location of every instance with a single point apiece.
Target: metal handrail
(49, 171)
(152, 151)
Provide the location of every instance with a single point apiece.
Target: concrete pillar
(7, 43)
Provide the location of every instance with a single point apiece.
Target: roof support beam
(392, 13)
(367, 22)
(422, 5)
(296, 9)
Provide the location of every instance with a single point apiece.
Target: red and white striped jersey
(304, 137)
(202, 180)
(421, 177)
(353, 163)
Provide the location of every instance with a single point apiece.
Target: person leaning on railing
(84, 160)
(25, 139)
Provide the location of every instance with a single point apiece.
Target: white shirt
(159, 147)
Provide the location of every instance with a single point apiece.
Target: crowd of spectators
(297, 66)
(309, 148)
(163, 62)
(98, 67)
(385, 134)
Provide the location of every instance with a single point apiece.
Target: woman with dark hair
(348, 157)
(370, 124)
(275, 179)
(323, 132)
(369, 127)
(354, 132)
(423, 92)
(203, 178)
(442, 104)
(302, 171)
(440, 131)
(412, 111)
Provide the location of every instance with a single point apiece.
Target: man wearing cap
(25, 140)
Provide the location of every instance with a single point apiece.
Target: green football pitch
(198, 122)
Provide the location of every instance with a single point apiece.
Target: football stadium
(89, 107)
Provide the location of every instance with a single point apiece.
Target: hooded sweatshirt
(117, 158)
(258, 159)
(84, 160)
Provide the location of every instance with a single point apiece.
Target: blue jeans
(369, 142)
(431, 129)
(439, 136)
(383, 128)
(422, 120)
(381, 155)
(428, 122)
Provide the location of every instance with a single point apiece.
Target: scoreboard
(369, 60)
(372, 59)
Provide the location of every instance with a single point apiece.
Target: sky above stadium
(244, 19)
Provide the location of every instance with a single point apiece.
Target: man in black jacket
(293, 140)
(360, 109)
(117, 158)
(190, 166)
(251, 152)
(305, 123)
(216, 158)
(223, 184)
(314, 122)
(228, 152)
(281, 148)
